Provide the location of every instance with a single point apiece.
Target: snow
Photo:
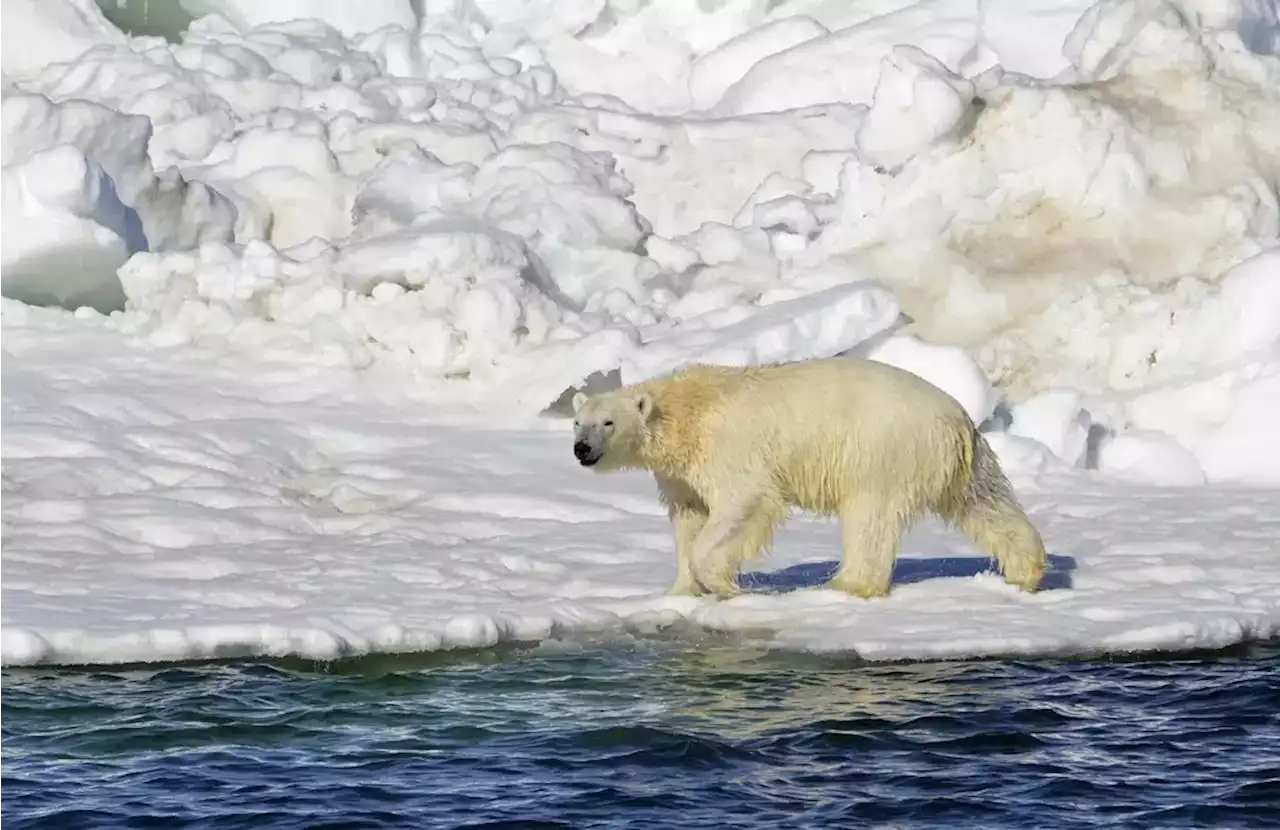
(173, 504)
(1056, 418)
(712, 73)
(41, 32)
(1150, 456)
(350, 20)
(842, 66)
(333, 262)
(822, 323)
(81, 196)
(917, 102)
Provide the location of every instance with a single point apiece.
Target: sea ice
(184, 504)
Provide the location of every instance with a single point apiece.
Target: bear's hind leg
(871, 529)
(687, 522)
(989, 514)
(1004, 531)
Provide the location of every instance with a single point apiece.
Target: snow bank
(1226, 419)
(81, 196)
(842, 66)
(1086, 274)
(917, 103)
(349, 19)
(40, 32)
(431, 227)
(1212, 390)
(670, 56)
(66, 231)
(1032, 263)
(690, 173)
(433, 192)
(816, 325)
(713, 73)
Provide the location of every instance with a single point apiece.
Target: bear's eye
(608, 423)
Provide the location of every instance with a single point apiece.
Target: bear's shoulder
(684, 402)
(687, 393)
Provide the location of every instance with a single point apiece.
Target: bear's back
(836, 381)
(806, 407)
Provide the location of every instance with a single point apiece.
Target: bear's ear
(644, 405)
(579, 398)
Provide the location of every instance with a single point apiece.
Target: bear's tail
(988, 485)
(989, 514)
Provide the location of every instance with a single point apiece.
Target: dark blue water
(647, 735)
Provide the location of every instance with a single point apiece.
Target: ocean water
(647, 734)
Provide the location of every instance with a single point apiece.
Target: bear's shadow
(905, 572)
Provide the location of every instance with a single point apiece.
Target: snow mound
(395, 203)
(1149, 457)
(40, 32)
(669, 57)
(917, 102)
(81, 196)
(1160, 171)
(67, 231)
(691, 172)
(417, 302)
(422, 189)
(821, 324)
(1219, 385)
(713, 73)
(842, 66)
(350, 20)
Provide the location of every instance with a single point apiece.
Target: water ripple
(647, 735)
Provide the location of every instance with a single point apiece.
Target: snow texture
(332, 261)
(173, 505)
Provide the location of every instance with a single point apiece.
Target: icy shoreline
(183, 505)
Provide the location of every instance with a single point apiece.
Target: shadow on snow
(905, 572)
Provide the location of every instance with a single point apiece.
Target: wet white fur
(732, 448)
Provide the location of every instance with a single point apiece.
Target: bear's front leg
(735, 532)
(713, 567)
(687, 522)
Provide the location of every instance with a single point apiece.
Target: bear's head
(608, 428)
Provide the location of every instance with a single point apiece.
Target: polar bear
(733, 448)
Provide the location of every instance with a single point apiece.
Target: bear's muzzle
(583, 451)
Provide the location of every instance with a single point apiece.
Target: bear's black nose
(581, 449)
